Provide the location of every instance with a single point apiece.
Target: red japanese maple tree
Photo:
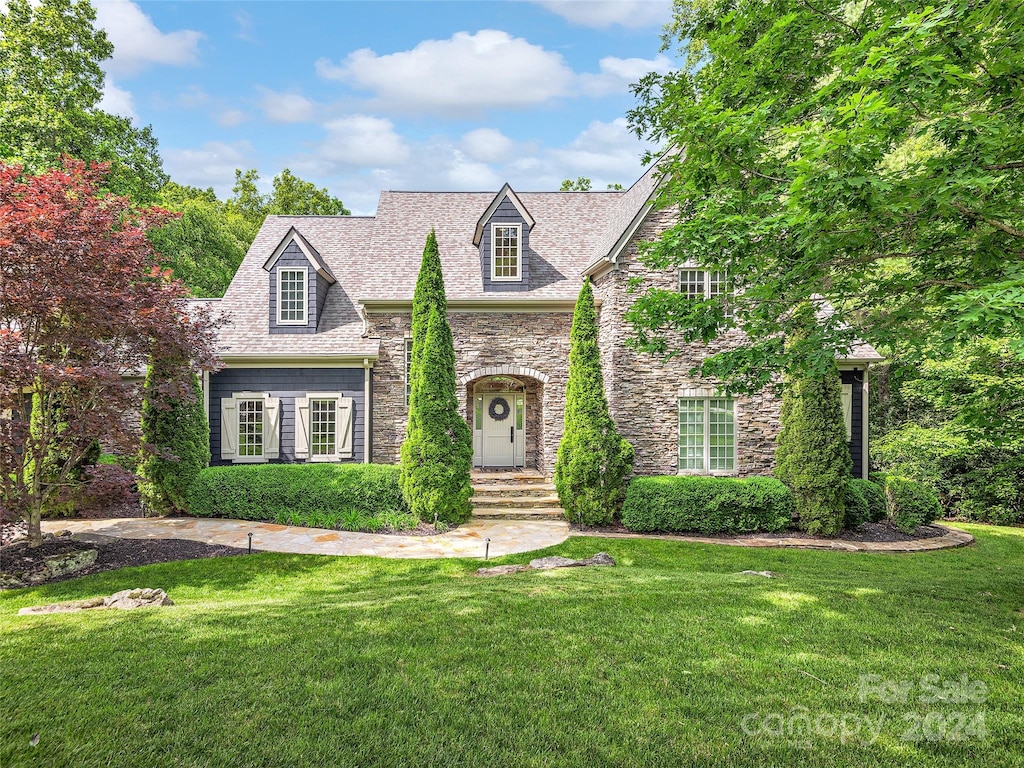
(83, 304)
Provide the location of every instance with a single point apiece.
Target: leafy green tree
(594, 462)
(176, 436)
(205, 244)
(289, 195)
(292, 195)
(863, 154)
(51, 84)
(582, 184)
(812, 456)
(437, 454)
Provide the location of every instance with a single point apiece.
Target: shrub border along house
(351, 496)
(707, 504)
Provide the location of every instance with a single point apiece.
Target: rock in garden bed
(546, 564)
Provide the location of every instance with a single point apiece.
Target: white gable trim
(506, 191)
(293, 235)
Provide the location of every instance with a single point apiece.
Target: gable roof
(506, 191)
(377, 259)
(311, 253)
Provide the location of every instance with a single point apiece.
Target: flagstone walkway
(507, 537)
(469, 540)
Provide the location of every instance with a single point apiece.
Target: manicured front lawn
(670, 659)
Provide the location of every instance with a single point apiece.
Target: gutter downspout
(864, 423)
(368, 408)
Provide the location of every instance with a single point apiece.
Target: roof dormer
(299, 279)
(503, 236)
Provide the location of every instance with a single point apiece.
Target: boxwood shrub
(285, 492)
(874, 496)
(707, 504)
(856, 511)
(910, 503)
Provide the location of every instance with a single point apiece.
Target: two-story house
(317, 337)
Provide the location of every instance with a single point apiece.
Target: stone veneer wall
(539, 341)
(643, 389)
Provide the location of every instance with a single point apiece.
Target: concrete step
(513, 489)
(508, 478)
(539, 500)
(518, 513)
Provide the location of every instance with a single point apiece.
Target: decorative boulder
(547, 563)
(126, 599)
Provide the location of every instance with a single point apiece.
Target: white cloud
(229, 118)
(487, 145)
(617, 74)
(138, 42)
(363, 141)
(605, 13)
(211, 165)
(246, 26)
(286, 107)
(117, 101)
(465, 73)
(604, 152)
(193, 97)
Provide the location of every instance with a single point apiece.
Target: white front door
(499, 431)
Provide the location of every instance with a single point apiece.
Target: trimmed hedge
(856, 511)
(283, 491)
(707, 504)
(910, 503)
(874, 496)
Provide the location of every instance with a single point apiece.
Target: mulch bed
(884, 531)
(119, 553)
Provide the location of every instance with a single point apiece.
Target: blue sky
(364, 96)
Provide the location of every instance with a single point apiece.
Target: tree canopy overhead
(51, 84)
(868, 155)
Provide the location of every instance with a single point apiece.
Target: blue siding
(287, 384)
(506, 213)
(857, 447)
(294, 257)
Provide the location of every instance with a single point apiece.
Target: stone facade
(643, 389)
(532, 346)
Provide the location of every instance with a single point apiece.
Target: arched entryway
(503, 408)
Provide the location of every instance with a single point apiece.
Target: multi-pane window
(250, 428)
(291, 296)
(707, 434)
(505, 261)
(323, 427)
(704, 284)
(408, 370)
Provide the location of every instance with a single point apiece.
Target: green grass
(279, 660)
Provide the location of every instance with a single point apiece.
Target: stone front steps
(521, 495)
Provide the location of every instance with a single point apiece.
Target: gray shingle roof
(378, 258)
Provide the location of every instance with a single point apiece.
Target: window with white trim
(705, 284)
(408, 370)
(250, 428)
(707, 434)
(506, 255)
(291, 295)
(323, 426)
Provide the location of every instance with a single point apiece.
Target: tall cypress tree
(812, 456)
(594, 462)
(437, 453)
(174, 426)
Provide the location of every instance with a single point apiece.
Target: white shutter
(345, 411)
(301, 427)
(848, 410)
(228, 428)
(271, 427)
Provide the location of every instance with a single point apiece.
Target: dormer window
(291, 296)
(506, 256)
